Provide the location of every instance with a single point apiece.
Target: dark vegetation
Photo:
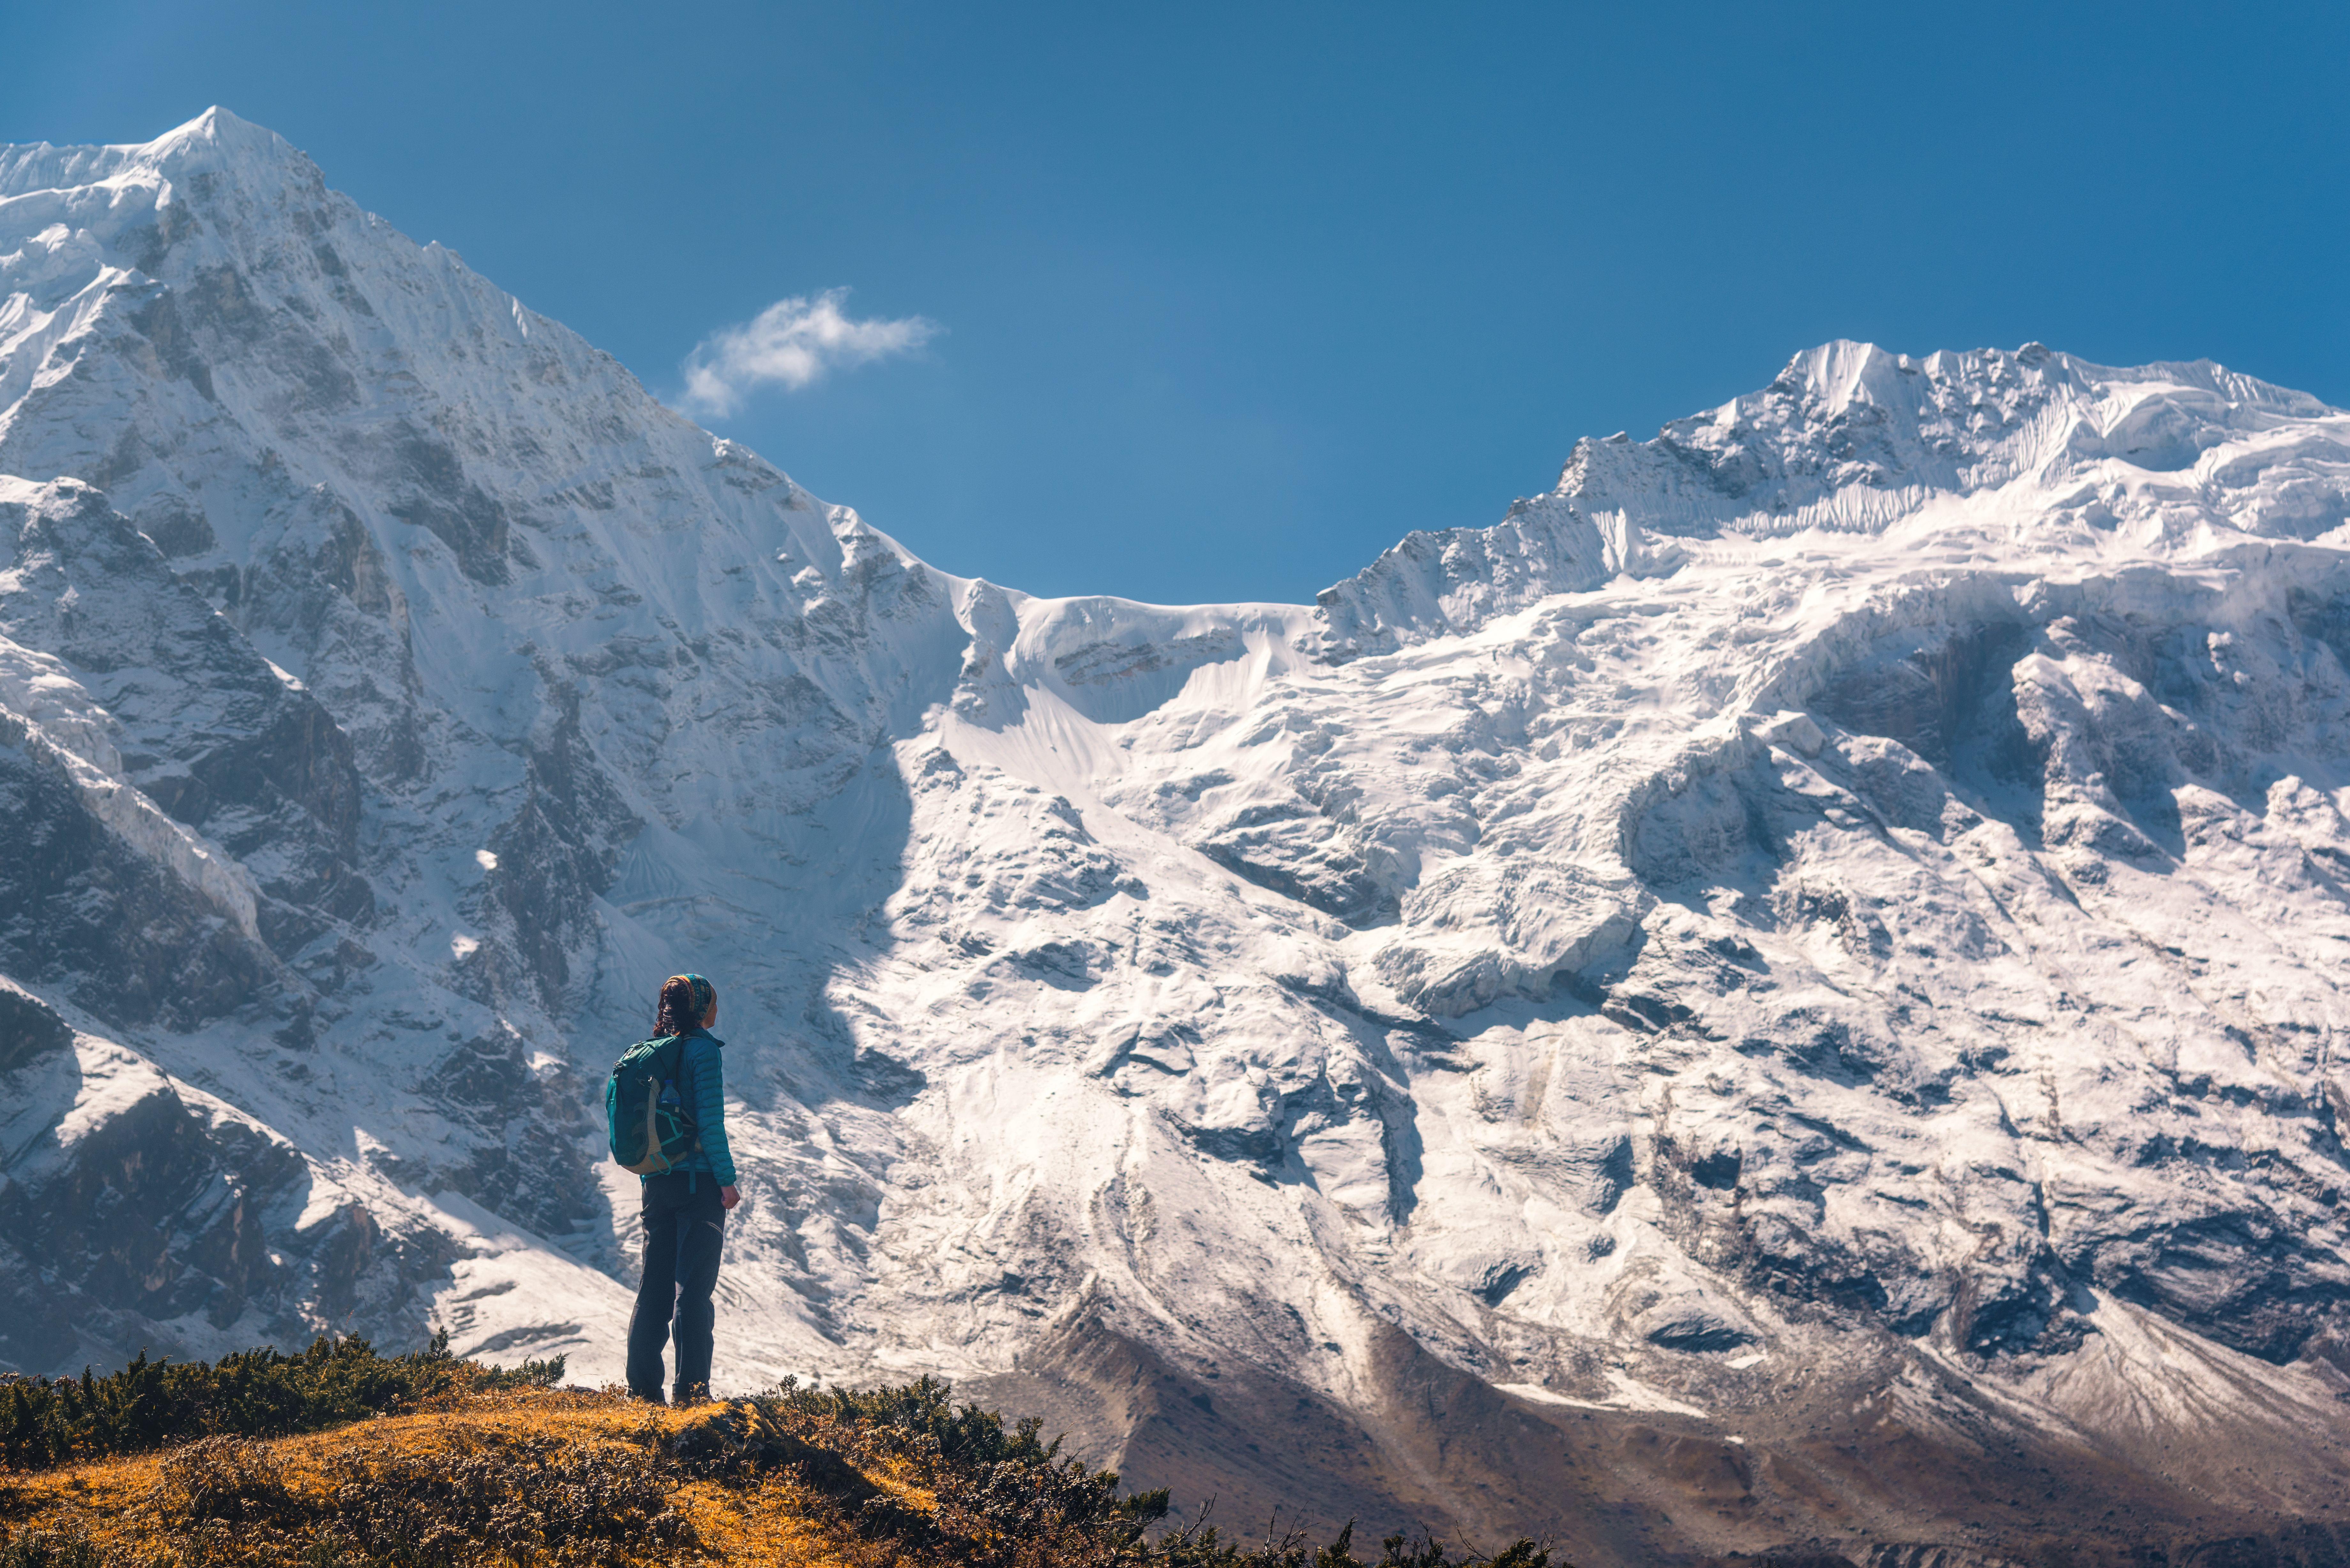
(887, 1479)
(487, 1497)
(1004, 1498)
(153, 1405)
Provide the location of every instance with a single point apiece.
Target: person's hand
(729, 1196)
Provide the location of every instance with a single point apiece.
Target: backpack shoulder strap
(678, 1068)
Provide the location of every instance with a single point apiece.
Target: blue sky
(1215, 302)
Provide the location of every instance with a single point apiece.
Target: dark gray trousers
(685, 1230)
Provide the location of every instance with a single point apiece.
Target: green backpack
(645, 1111)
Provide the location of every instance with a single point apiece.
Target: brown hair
(685, 1002)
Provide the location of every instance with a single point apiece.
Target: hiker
(685, 1205)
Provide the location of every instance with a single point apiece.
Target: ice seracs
(1835, 909)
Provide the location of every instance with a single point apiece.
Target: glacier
(1784, 992)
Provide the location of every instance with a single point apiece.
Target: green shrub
(256, 1394)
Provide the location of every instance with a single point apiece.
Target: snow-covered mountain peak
(220, 140)
(216, 142)
(1839, 373)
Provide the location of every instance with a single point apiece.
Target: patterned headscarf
(685, 1001)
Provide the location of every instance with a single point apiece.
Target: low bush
(257, 1394)
(49, 1548)
(1003, 1498)
(502, 1497)
(223, 1480)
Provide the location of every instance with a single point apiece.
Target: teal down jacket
(705, 1089)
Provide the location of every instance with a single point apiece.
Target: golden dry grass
(231, 1501)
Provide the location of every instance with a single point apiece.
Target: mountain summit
(1784, 992)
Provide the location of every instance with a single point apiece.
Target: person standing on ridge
(684, 1207)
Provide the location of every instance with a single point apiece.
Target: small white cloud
(485, 859)
(791, 343)
(461, 947)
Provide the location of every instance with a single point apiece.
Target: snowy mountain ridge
(1852, 439)
(1821, 925)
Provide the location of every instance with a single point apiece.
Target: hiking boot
(690, 1393)
(654, 1398)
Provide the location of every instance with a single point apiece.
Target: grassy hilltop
(342, 1458)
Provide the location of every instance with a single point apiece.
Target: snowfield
(1824, 929)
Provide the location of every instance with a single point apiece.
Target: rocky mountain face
(1785, 993)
